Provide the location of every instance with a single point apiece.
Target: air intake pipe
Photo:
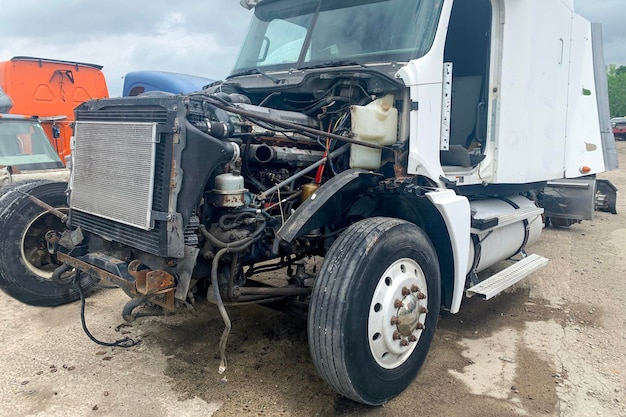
(265, 154)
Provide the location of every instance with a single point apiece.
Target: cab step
(492, 223)
(497, 283)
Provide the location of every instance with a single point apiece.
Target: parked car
(619, 127)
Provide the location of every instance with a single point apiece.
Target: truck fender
(321, 206)
(456, 213)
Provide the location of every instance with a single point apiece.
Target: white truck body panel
(584, 144)
(532, 116)
(543, 117)
(542, 106)
(455, 211)
(426, 90)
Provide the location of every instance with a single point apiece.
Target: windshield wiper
(254, 71)
(337, 63)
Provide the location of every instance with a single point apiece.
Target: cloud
(610, 13)
(196, 37)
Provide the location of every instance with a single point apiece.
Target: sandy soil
(552, 346)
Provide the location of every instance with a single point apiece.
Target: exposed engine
(198, 186)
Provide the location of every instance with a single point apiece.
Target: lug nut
(414, 288)
(421, 296)
(405, 291)
(395, 321)
(404, 342)
(412, 338)
(397, 335)
(397, 303)
(423, 310)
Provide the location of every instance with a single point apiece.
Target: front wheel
(374, 309)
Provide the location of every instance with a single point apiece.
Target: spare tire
(26, 266)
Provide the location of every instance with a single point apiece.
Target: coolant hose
(222, 129)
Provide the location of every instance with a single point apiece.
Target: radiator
(114, 178)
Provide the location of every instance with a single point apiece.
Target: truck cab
(465, 70)
(409, 144)
(25, 152)
(140, 82)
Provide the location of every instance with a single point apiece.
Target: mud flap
(606, 196)
(571, 199)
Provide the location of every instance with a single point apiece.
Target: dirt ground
(553, 346)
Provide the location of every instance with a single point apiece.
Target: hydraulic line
(295, 126)
(235, 246)
(221, 309)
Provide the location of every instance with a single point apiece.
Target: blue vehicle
(139, 82)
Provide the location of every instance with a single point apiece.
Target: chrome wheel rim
(397, 313)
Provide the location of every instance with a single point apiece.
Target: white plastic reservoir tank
(376, 123)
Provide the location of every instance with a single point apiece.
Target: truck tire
(25, 265)
(356, 341)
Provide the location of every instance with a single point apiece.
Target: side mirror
(56, 132)
(248, 4)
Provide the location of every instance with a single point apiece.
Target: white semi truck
(411, 144)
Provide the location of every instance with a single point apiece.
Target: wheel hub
(32, 245)
(408, 315)
(397, 313)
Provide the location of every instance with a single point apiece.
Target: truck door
(533, 91)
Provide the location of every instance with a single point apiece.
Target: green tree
(617, 90)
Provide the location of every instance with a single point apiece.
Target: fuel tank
(499, 243)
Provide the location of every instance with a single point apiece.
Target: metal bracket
(162, 216)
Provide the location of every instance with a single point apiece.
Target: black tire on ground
(25, 265)
(374, 265)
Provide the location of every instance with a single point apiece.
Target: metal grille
(123, 114)
(114, 178)
(147, 241)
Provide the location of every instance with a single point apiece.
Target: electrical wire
(125, 342)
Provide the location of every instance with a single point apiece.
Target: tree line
(617, 90)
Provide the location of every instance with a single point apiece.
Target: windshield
(287, 34)
(24, 145)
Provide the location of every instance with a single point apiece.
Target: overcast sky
(199, 37)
